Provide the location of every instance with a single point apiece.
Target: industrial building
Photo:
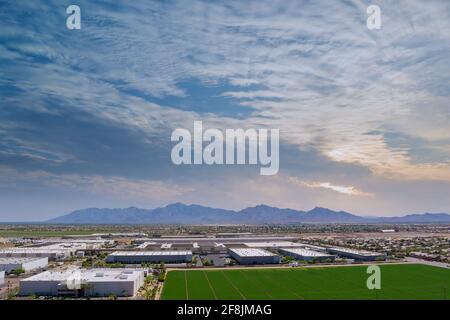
(272, 244)
(150, 256)
(305, 254)
(2, 278)
(87, 283)
(70, 246)
(313, 247)
(27, 264)
(87, 243)
(30, 252)
(210, 244)
(202, 240)
(357, 254)
(253, 256)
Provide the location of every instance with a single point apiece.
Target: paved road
(430, 263)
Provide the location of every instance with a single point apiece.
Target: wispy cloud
(347, 190)
(123, 188)
(312, 69)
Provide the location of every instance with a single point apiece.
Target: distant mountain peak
(180, 213)
(176, 205)
(261, 206)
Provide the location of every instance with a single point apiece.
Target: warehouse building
(70, 246)
(27, 264)
(202, 240)
(357, 254)
(253, 256)
(87, 243)
(306, 255)
(87, 283)
(313, 247)
(51, 254)
(272, 244)
(150, 256)
(2, 278)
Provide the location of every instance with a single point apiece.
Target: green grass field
(397, 282)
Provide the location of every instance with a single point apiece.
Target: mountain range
(179, 213)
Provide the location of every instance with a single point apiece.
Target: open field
(37, 234)
(35, 231)
(407, 281)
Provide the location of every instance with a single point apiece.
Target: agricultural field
(398, 282)
(46, 231)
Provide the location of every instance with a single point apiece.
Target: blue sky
(86, 115)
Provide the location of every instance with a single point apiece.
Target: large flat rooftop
(272, 244)
(306, 252)
(32, 250)
(66, 246)
(152, 253)
(200, 240)
(18, 260)
(88, 275)
(250, 252)
(358, 252)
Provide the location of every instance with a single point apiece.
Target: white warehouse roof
(93, 275)
(32, 250)
(359, 252)
(244, 252)
(65, 245)
(151, 253)
(273, 244)
(305, 252)
(89, 275)
(13, 260)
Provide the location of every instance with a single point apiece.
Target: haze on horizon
(86, 115)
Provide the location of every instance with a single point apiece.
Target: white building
(88, 283)
(357, 254)
(70, 246)
(253, 256)
(305, 254)
(313, 247)
(2, 278)
(273, 244)
(26, 264)
(150, 256)
(88, 243)
(201, 240)
(31, 252)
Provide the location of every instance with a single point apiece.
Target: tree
(18, 271)
(87, 263)
(32, 296)
(148, 294)
(148, 279)
(112, 296)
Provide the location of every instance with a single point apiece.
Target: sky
(86, 115)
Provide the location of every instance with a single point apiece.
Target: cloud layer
(359, 111)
